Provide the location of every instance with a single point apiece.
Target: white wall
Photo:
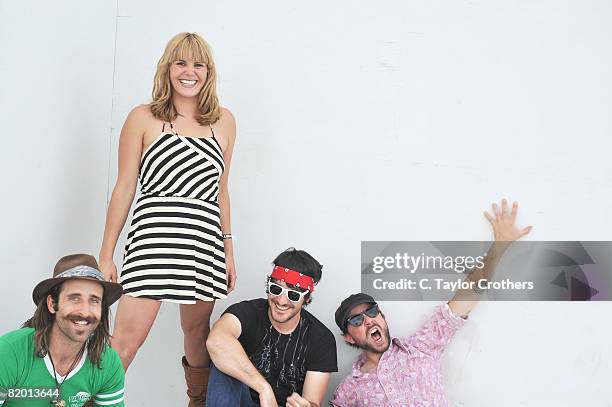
(56, 65)
(356, 121)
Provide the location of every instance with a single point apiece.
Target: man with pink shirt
(403, 372)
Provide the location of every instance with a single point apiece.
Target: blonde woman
(179, 246)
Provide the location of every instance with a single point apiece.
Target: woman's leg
(135, 317)
(195, 321)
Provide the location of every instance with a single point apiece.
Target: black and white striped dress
(174, 249)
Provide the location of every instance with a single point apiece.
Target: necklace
(57, 401)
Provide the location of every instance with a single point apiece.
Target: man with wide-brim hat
(61, 356)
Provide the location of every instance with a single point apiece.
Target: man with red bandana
(272, 352)
(406, 372)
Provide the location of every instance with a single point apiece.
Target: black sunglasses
(357, 320)
(293, 295)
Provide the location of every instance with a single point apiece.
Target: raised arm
(505, 231)
(130, 150)
(229, 356)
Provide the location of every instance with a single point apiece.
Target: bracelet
(227, 236)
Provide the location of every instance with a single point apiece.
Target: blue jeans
(225, 391)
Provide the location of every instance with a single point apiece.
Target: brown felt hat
(73, 266)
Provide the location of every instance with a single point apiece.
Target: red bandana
(293, 277)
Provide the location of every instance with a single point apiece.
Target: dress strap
(172, 128)
(211, 130)
(164, 127)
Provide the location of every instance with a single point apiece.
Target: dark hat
(343, 311)
(82, 266)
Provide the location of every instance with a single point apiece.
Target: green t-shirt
(21, 370)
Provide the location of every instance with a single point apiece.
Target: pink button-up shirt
(408, 373)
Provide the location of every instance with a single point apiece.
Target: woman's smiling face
(188, 77)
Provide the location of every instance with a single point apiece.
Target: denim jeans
(225, 391)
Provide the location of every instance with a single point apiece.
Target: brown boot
(197, 384)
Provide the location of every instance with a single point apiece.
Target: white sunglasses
(293, 295)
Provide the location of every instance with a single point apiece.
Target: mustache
(375, 325)
(74, 317)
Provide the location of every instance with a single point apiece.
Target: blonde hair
(186, 46)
